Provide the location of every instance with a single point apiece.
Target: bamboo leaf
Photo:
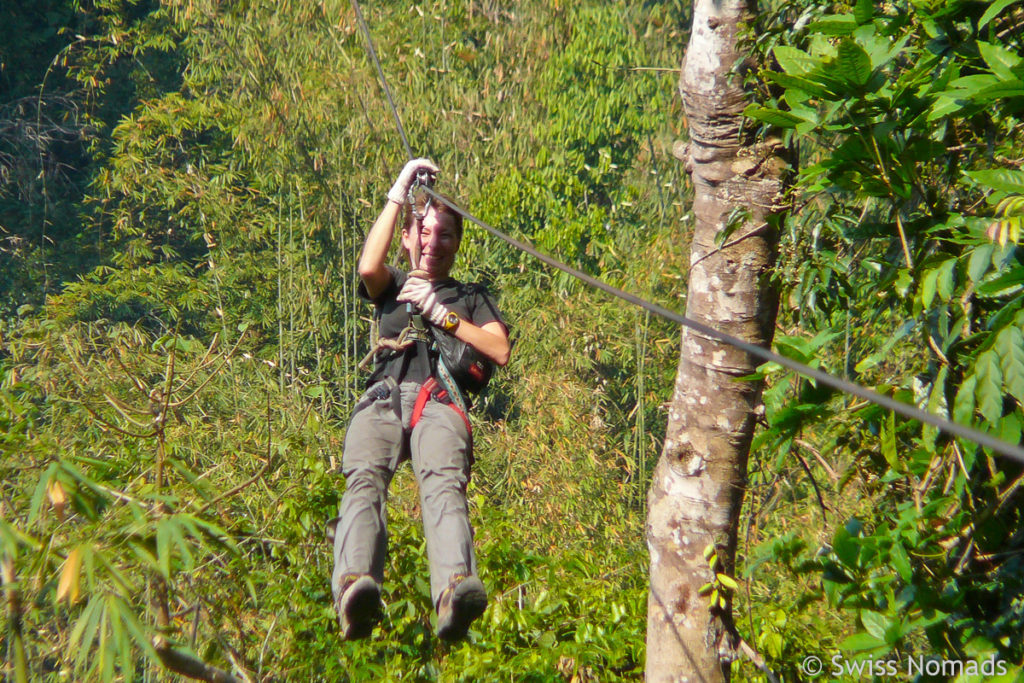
(163, 547)
(68, 586)
(86, 629)
(58, 498)
(36, 505)
(134, 627)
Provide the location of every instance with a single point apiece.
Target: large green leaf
(863, 11)
(853, 64)
(945, 280)
(989, 389)
(773, 117)
(834, 25)
(795, 62)
(1010, 347)
(1002, 179)
(901, 561)
(979, 262)
(860, 642)
(1008, 283)
(993, 11)
(964, 403)
(875, 623)
(1000, 60)
(929, 285)
(806, 85)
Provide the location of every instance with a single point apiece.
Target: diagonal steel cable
(380, 74)
(1014, 452)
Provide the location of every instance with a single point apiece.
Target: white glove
(420, 293)
(399, 192)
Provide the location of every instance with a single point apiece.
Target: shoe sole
(469, 600)
(362, 609)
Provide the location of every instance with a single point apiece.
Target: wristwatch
(451, 322)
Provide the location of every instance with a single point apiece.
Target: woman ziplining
(439, 339)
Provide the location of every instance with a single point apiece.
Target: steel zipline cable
(999, 446)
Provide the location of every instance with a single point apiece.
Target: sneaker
(461, 602)
(359, 607)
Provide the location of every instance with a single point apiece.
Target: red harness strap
(431, 389)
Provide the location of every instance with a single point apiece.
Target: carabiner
(424, 178)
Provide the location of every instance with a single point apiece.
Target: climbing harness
(433, 390)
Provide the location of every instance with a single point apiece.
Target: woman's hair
(440, 207)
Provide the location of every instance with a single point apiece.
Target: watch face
(452, 320)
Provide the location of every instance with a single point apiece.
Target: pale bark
(698, 485)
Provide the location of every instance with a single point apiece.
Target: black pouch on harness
(469, 368)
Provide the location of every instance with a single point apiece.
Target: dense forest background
(184, 187)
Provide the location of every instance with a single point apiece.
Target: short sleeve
(398, 279)
(483, 310)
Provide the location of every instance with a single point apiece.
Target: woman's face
(439, 242)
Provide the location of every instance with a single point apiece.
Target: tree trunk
(698, 485)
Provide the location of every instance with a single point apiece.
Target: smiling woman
(415, 407)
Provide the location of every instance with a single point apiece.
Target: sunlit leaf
(944, 281)
(979, 262)
(853, 64)
(863, 11)
(993, 11)
(860, 642)
(1003, 179)
(999, 59)
(68, 585)
(989, 390)
(773, 117)
(875, 623)
(901, 561)
(1010, 347)
(928, 287)
(795, 62)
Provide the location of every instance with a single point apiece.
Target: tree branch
(185, 664)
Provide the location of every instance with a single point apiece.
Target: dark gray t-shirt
(470, 301)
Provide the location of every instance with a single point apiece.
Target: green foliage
(173, 408)
(907, 120)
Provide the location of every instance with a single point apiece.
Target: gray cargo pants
(440, 449)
